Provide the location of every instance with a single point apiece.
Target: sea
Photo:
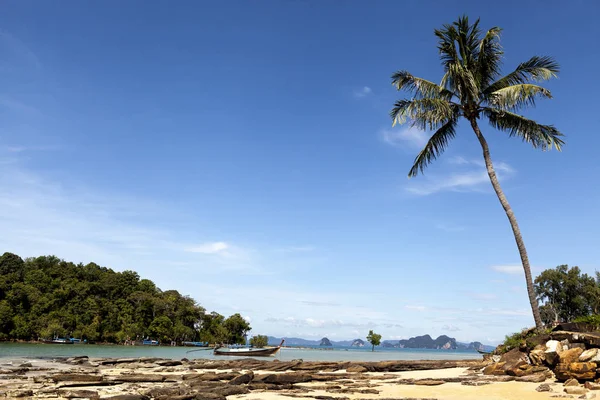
(19, 351)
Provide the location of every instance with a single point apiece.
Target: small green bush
(520, 339)
(592, 320)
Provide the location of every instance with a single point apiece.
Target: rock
(166, 392)
(592, 385)
(243, 379)
(22, 393)
(591, 339)
(553, 347)
(127, 397)
(287, 378)
(356, 368)
(429, 382)
(77, 394)
(169, 363)
(534, 378)
(26, 365)
(570, 356)
(537, 357)
(575, 390)
(571, 382)
(583, 370)
(589, 355)
(494, 369)
(544, 387)
(76, 378)
(139, 378)
(577, 370)
(229, 390)
(209, 396)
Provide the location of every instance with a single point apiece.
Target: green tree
(374, 339)
(472, 88)
(566, 293)
(161, 328)
(236, 327)
(212, 329)
(259, 341)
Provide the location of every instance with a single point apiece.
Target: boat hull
(247, 353)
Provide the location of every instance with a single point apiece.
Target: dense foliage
(374, 339)
(566, 294)
(259, 341)
(45, 297)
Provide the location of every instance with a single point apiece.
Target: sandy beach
(150, 378)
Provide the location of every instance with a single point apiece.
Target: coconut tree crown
(472, 87)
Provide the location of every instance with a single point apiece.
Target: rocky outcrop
(358, 343)
(325, 342)
(573, 357)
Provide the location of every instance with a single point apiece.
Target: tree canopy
(43, 297)
(259, 341)
(374, 339)
(566, 294)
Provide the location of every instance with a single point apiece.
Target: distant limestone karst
(325, 342)
(424, 342)
(358, 343)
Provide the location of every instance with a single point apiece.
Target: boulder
(537, 357)
(569, 356)
(169, 363)
(243, 379)
(575, 390)
(139, 378)
(544, 387)
(571, 382)
(583, 370)
(209, 396)
(589, 355)
(592, 385)
(577, 370)
(534, 378)
(591, 339)
(494, 369)
(127, 397)
(515, 362)
(553, 348)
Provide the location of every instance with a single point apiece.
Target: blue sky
(242, 153)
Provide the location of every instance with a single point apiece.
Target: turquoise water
(30, 350)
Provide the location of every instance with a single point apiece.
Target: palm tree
(472, 88)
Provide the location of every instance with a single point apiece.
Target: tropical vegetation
(472, 88)
(259, 341)
(567, 294)
(45, 297)
(374, 339)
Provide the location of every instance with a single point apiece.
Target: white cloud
(412, 137)
(450, 328)
(320, 323)
(209, 248)
(362, 92)
(472, 180)
(508, 269)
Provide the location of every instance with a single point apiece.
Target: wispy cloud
(450, 328)
(508, 269)
(209, 248)
(362, 92)
(319, 323)
(406, 137)
(471, 180)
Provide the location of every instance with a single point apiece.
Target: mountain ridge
(417, 342)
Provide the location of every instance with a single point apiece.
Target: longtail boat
(247, 352)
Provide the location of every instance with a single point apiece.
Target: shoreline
(162, 379)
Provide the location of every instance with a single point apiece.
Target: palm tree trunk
(513, 223)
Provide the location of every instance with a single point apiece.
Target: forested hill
(45, 297)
